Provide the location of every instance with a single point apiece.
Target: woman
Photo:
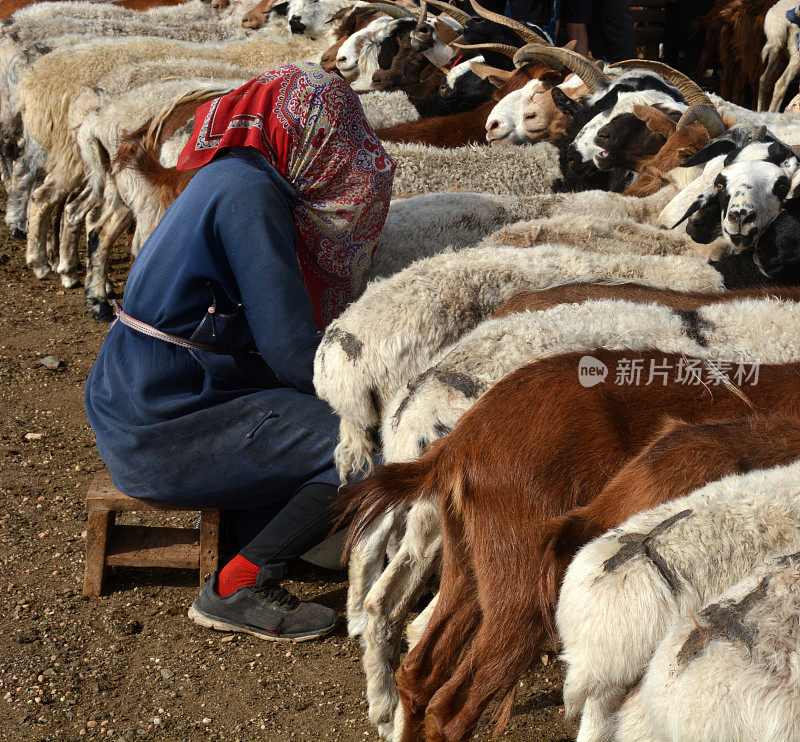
(202, 393)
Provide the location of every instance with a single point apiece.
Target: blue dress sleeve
(254, 226)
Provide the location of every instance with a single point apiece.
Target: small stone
(206, 720)
(166, 673)
(91, 724)
(545, 659)
(52, 362)
(132, 627)
(228, 638)
(34, 436)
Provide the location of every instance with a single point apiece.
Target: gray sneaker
(265, 610)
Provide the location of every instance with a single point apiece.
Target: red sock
(238, 572)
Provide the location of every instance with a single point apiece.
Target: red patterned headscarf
(311, 127)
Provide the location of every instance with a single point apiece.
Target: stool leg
(97, 537)
(209, 543)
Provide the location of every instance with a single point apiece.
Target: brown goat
(734, 40)
(468, 127)
(348, 21)
(654, 172)
(141, 156)
(681, 459)
(682, 301)
(533, 447)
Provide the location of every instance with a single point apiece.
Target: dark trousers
(611, 32)
(265, 458)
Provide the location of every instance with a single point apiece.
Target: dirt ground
(130, 665)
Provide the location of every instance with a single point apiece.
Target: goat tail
(562, 537)
(390, 486)
(134, 155)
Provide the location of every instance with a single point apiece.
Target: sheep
(713, 538)
(431, 405)
(781, 36)
(731, 672)
(425, 169)
(388, 108)
(357, 371)
(49, 86)
(510, 462)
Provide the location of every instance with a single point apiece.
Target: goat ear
(570, 45)
(709, 151)
(494, 75)
(280, 8)
(388, 51)
(657, 121)
(701, 201)
(564, 103)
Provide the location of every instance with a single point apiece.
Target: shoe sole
(218, 625)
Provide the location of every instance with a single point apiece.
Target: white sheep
(425, 169)
(615, 604)
(729, 673)
(384, 109)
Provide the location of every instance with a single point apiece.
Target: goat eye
(718, 186)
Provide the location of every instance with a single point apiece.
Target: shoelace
(279, 595)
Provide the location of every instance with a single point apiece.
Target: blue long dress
(235, 430)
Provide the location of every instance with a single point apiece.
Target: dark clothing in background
(538, 12)
(235, 430)
(609, 23)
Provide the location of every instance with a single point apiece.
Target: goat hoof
(70, 282)
(18, 233)
(41, 270)
(102, 311)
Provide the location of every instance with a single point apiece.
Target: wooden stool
(110, 545)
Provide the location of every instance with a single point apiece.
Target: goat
(467, 127)
(776, 253)
(747, 192)
(432, 404)
(739, 655)
(483, 635)
(632, 584)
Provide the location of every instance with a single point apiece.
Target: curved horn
(393, 11)
(455, 13)
(707, 115)
(504, 49)
(689, 88)
(526, 34)
(564, 60)
(423, 15)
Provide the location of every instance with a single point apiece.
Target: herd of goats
(508, 359)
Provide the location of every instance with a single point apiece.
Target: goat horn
(707, 115)
(689, 88)
(564, 60)
(455, 13)
(423, 15)
(504, 49)
(526, 34)
(393, 11)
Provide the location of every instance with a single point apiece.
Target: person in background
(202, 392)
(604, 27)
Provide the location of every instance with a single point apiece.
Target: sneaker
(265, 610)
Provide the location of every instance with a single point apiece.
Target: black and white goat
(748, 191)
